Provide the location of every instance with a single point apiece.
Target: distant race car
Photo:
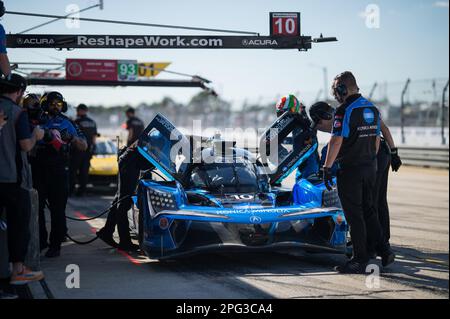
(104, 167)
(229, 200)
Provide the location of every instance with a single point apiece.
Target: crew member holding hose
(51, 173)
(131, 163)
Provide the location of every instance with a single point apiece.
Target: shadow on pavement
(419, 269)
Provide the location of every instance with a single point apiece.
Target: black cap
(82, 107)
(54, 96)
(130, 110)
(15, 81)
(321, 111)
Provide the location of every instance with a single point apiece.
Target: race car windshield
(226, 178)
(105, 148)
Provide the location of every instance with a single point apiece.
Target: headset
(50, 97)
(341, 89)
(31, 102)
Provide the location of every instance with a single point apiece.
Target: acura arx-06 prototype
(218, 197)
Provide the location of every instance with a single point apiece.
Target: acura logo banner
(155, 42)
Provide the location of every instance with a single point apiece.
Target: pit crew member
(52, 171)
(354, 145)
(15, 140)
(80, 160)
(131, 163)
(134, 126)
(322, 115)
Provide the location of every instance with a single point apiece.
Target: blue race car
(217, 197)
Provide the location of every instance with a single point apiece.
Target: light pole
(325, 79)
(402, 111)
(443, 113)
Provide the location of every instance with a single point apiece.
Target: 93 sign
(127, 70)
(285, 24)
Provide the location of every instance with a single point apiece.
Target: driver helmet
(289, 103)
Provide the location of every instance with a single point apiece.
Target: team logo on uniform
(369, 116)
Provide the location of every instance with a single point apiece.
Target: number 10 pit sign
(285, 24)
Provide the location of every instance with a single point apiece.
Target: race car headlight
(160, 200)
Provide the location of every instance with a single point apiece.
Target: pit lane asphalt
(419, 203)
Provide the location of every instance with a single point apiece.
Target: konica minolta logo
(258, 42)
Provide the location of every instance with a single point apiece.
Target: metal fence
(415, 110)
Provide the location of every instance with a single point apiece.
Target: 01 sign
(285, 24)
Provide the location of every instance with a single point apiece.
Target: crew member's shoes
(351, 267)
(5, 296)
(129, 247)
(372, 254)
(107, 239)
(26, 276)
(387, 257)
(53, 252)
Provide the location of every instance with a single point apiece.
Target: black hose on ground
(90, 218)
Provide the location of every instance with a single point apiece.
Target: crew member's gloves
(53, 138)
(66, 136)
(121, 151)
(328, 178)
(48, 136)
(396, 162)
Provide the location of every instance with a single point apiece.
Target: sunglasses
(58, 104)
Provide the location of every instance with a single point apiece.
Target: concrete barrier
(425, 156)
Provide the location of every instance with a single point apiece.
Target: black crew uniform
(80, 160)
(137, 127)
(381, 187)
(358, 121)
(51, 178)
(131, 164)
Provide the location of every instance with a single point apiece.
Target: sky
(411, 41)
